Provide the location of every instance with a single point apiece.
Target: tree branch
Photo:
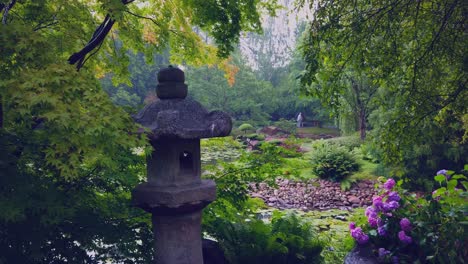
(98, 37)
(96, 41)
(7, 9)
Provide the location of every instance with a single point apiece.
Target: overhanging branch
(7, 9)
(79, 58)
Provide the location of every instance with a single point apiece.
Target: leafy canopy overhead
(414, 51)
(66, 161)
(39, 90)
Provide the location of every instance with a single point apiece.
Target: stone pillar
(175, 194)
(178, 238)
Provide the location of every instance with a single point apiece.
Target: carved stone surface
(183, 118)
(180, 117)
(195, 197)
(175, 194)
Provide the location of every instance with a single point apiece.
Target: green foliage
(42, 212)
(232, 180)
(319, 130)
(286, 125)
(224, 20)
(220, 149)
(255, 136)
(346, 183)
(143, 80)
(285, 240)
(433, 218)
(246, 127)
(247, 98)
(349, 142)
(332, 162)
(66, 161)
(412, 57)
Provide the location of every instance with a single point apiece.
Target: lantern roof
(176, 116)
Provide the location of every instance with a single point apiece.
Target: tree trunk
(362, 124)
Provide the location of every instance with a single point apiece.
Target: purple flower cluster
(405, 225)
(442, 172)
(445, 173)
(377, 215)
(404, 238)
(382, 204)
(358, 234)
(383, 252)
(389, 184)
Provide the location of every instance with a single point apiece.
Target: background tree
(415, 52)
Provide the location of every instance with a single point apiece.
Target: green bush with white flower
(406, 228)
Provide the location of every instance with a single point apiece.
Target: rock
(362, 185)
(353, 199)
(361, 255)
(256, 195)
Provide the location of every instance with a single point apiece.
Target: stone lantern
(175, 194)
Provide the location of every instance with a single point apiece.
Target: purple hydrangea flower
(405, 224)
(382, 231)
(370, 212)
(377, 202)
(380, 222)
(359, 236)
(372, 221)
(393, 196)
(404, 238)
(389, 184)
(383, 252)
(352, 225)
(442, 172)
(390, 206)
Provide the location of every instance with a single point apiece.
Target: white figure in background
(299, 119)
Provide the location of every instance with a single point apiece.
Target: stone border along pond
(314, 194)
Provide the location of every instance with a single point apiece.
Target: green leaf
(439, 178)
(452, 184)
(459, 176)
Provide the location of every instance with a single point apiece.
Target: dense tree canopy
(415, 52)
(67, 159)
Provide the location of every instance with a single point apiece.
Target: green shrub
(285, 240)
(286, 125)
(333, 162)
(349, 142)
(255, 136)
(246, 127)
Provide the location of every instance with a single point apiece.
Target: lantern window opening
(186, 162)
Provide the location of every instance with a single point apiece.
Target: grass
(367, 170)
(319, 130)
